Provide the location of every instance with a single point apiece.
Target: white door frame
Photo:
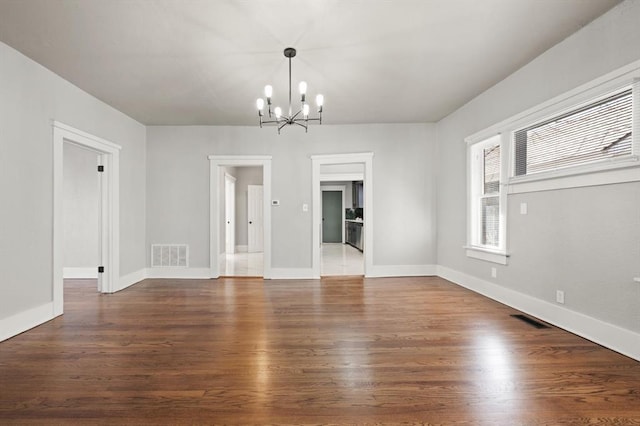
(109, 154)
(342, 189)
(229, 214)
(365, 158)
(215, 162)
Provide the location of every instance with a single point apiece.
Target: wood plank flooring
(336, 351)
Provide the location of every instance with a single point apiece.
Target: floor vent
(163, 255)
(530, 321)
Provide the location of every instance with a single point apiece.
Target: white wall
(81, 208)
(403, 185)
(32, 97)
(585, 241)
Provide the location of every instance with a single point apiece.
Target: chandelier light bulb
(305, 110)
(303, 90)
(260, 104)
(319, 100)
(268, 91)
(278, 112)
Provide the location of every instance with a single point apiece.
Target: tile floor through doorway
(341, 259)
(336, 259)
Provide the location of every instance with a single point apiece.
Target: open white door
(230, 213)
(255, 233)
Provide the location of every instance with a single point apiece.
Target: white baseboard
(608, 335)
(132, 278)
(174, 272)
(79, 273)
(26, 320)
(242, 249)
(291, 274)
(378, 271)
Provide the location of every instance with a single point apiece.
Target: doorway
(108, 170)
(339, 167)
(252, 252)
(81, 215)
(244, 229)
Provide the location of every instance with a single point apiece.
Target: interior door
(255, 233)
(331, 216)
(230, 214)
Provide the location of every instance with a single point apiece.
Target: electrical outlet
(560, 296)
(494, 272)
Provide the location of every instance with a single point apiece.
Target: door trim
(215, 162)
(365, 158)
(343, 190)
(109, 154)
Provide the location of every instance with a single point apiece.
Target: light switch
(523, 208)
(305, 207)
(275, 202)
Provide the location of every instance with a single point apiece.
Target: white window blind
(490, 198)
(597, 131)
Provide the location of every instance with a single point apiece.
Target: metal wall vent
(163, 255)
(532, 322)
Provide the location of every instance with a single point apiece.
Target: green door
(332, 217)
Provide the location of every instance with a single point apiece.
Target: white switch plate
(305, 207)
(494, 272)
(523, 208)
(560, 296)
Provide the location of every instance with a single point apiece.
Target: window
(599, 131)
(487, 199)
(587, 136)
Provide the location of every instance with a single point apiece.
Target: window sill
(610, 172)
(481, 253)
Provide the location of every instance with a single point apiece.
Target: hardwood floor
(338, 351)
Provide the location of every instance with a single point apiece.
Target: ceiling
(204, 62)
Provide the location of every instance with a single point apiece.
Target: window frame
(600, 172)
(572, 111)
(475, 194)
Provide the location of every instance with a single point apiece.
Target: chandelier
(301, 118)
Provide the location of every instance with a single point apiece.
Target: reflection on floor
(341, 259)
(242, 265)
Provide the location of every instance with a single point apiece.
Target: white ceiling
(206, 61)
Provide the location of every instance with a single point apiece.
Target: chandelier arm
(301, 125)
(309, 119)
